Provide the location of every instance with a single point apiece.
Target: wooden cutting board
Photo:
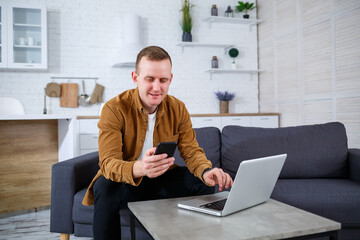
(69, 95)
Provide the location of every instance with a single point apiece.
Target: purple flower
(224, 96)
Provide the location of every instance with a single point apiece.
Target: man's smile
(155, 94)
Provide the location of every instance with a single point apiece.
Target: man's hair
(153, 53)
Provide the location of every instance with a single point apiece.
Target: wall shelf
(216, 19)
(27, 46)
(250, 22)
(211, 71)
(27, 25)
(200, 44)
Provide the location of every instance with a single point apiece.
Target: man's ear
(171, 77)
(134, 77)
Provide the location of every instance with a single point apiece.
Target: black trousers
(111, 196)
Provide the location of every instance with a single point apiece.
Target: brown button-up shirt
(122, 130)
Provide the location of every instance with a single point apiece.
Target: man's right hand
(152, 165)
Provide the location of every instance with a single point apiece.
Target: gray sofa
(320, 175)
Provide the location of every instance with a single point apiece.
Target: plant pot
(246, 16)
(224, 106)
(186, 37)
(233, 66)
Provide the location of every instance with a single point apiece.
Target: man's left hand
(218, 176)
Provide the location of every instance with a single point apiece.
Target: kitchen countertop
(203, 115)
(35, 117)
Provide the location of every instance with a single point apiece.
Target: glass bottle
(214, 62)
(214, 10)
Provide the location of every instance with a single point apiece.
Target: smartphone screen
(166, 147)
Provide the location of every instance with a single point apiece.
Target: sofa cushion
(84, 214)
(337, 199)
(81, 213)
(314, 151)
(209, 140)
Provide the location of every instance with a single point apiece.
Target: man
(130, 125)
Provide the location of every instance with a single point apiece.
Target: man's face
(153, 80)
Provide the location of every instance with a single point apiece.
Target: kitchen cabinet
(244, 121)
(23, 38)
(3, 41)
(212, 121)
(88, 136)
(265, 120)
(30, 145)
(88, 132)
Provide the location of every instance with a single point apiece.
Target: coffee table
(271, 220)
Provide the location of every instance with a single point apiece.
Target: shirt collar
(140, 107)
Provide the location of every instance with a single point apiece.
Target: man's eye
(163, 80)
(149, 79)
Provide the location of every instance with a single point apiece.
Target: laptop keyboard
(218, 205)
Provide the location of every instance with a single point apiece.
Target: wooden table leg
(64, 236)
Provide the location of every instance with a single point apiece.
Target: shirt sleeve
(111, 161)
(193, 155)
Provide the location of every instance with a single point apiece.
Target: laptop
(254, 182)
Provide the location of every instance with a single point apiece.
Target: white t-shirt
(148, 143)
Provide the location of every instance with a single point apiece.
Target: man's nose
(156, 85)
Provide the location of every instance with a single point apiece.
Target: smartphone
(166, 147)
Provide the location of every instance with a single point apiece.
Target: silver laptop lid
(254, 182)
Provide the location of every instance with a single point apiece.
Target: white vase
(233, 66)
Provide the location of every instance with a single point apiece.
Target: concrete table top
(270, 220)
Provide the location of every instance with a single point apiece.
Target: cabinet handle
(265, 118)
(237, 119)
(207, 120)
(95, 137)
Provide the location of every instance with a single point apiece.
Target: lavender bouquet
(225, 96)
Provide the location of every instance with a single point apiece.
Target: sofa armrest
(354, 163)
(68, 177)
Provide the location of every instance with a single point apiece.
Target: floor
(29, 226)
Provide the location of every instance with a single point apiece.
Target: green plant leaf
(244, 6)
(186, 21)
(233, 52)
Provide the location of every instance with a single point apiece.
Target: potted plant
(224, 98)
(186, 21)
(233, 52)
(245, 6)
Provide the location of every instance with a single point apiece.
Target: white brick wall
(83, 38)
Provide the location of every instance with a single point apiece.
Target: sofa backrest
(314, 151)
(209, 139)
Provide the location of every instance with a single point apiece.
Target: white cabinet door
(199, 122)
(265, 121)
(244, 121)
(26, 35)
(85, 151)
(88, 126)
(88, 136)
(88, 141)
(3, 35)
